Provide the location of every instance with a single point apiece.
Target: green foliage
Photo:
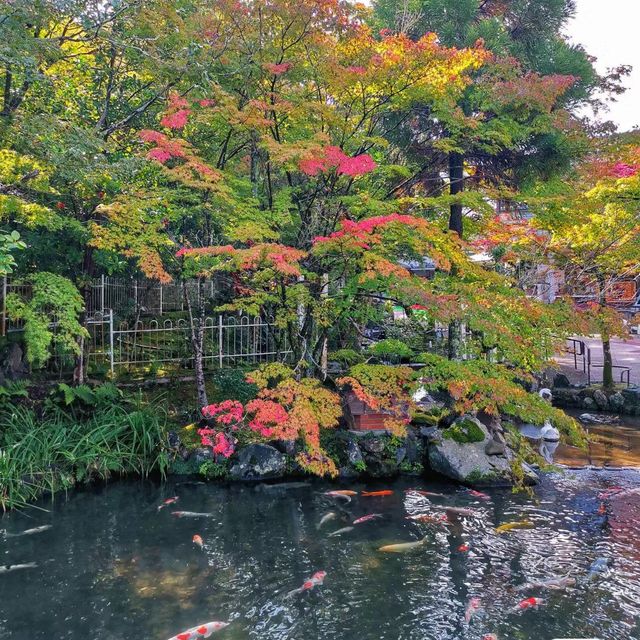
(13, 389)
(50, 317)
(346, 357)
(390, 349)
(84, 398)
(9, 242)
(231, 384)
(211, 469)
(56, 450)
(464, 431)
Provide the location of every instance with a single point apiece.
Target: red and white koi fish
(167, 502)
(377, 494)
(464, 547)
(371, 516)
(427, 494)
(489, 636)
(478, 494)
(198, 541)
(315, 580)
(612, 491)
(529, 603)
(424, 517)
(202, 631)
(472, 608)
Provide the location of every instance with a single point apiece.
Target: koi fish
(423, 517)
(315, 580)
(612, 491)
(403, 547)
(510, 526)
(555, 584)
(478, 494)
(7, 568)
(371, 516)
(29, 532)
(377, 494)
(202, 631)
(339, 532)
(464, 547)
(167, 502)
(191, 514)
(343, 494)
(489, 636)
(529, 603)
(332, 515)
(198, 541)
(472, 608)
(602, 509)
(460, 511)
(428, 494)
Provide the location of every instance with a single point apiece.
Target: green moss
(463, 432)
(477, 476)
(210, 469)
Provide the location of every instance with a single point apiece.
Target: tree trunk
(197, 325)
(456, 185)
(607, 357)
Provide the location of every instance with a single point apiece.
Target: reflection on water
(113, 567)
(611, 446)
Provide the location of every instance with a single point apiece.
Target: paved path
(625, 353)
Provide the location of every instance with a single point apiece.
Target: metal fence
(146, 344)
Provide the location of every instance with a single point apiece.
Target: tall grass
(58, 450)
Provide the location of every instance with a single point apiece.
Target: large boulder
(461, 454)
(259, 462)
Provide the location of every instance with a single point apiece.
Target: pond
(115, 567)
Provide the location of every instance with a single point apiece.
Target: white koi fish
(202, 631)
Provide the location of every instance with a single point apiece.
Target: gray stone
(560, 381)
(14, 365)
(600, 398)
(354, 454)
(588, 403)
(285, 446)
(373, 445)
(411, 446)
(259, 462)
(429, 433)
(494, 448)
(201, 455)
(401, 454)
(616, 401)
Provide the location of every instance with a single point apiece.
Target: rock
(285, 446)
(560, 381)
(14, 366)
(546, 394)
(467, 462)
(354, 454)
(495, 448)
(429, 433)
(259, 462)
(616, 401)
(589, 418)
(347, 473)
(373, 445)
(401, 454)
(201, 455)
(173, 440)
(588, 403)
(600, 398)
(411, 446)
(549, 432)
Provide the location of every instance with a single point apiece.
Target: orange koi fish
(371, 516)
(167, 502)
(198, 541)
(472, 608)
(464, 547)
(315, 580)
(202, 631)
(602, 509)
(478, 494)
(529, 603)
(377, 494)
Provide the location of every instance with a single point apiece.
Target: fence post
(111, 343)
(589, 366)
(220, 341)
(160, 298)
(102, 294)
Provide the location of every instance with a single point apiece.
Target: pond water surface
(114, 567)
